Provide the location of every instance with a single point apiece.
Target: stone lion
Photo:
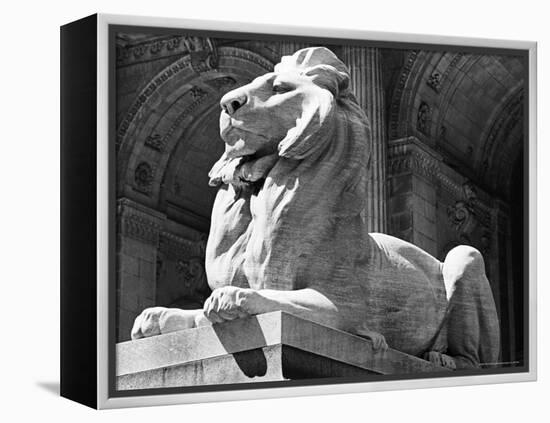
(287, 232)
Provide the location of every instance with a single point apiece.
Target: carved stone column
(288, 48)
(365, 67)
(137, 245)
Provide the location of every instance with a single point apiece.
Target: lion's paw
(378, 341)
(440, 359)
(147, 323)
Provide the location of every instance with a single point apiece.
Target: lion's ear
(321, 63)
(313, 128)
(335, 80)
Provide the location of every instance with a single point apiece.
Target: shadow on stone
(252, 363)
(51, 387)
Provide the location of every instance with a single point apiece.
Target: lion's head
(280, 114)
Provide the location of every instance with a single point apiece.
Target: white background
(29, 171)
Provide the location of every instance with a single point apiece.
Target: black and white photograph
(296, 210)
(276, 212)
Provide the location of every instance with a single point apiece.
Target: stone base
(269, 347)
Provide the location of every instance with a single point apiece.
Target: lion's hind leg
(471, 323)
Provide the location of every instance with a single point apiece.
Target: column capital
(411, 155)
(138, 221)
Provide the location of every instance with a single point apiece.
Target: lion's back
(404, 292)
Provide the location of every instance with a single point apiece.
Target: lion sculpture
(287, 232)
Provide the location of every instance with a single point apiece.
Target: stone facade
(447, 137)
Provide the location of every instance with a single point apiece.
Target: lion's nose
(232, 102)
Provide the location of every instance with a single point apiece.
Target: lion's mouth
(250, 169)
(231, 129)
(243, 143)
(254, 168)
(232, 133)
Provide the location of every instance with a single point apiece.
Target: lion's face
(286, 113)
(255, 118)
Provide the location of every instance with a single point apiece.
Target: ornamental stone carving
(470, 219)
(423, 118)
(409, 154)
(155, 141)
(138, 222)
(201, 49)
(434, 81)
(143, 177)
(182, 268)
(398, 94)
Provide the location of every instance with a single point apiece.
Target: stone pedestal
(365, 68)
(269, 347)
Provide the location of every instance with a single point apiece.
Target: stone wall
(159, 263)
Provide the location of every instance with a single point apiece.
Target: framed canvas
(254, 211)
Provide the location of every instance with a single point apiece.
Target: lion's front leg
(230, 302)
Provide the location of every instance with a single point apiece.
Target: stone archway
(158, 123)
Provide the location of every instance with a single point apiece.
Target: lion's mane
(275, 232)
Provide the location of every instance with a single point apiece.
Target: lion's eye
(281, 88)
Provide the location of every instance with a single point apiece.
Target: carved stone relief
(201, 49)
(182, 277)
(439, 76)
(423, 118)
(469, 219)
(138, 222)
(155, 141)
(434, 81)
(398, 94)
(143, 177)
